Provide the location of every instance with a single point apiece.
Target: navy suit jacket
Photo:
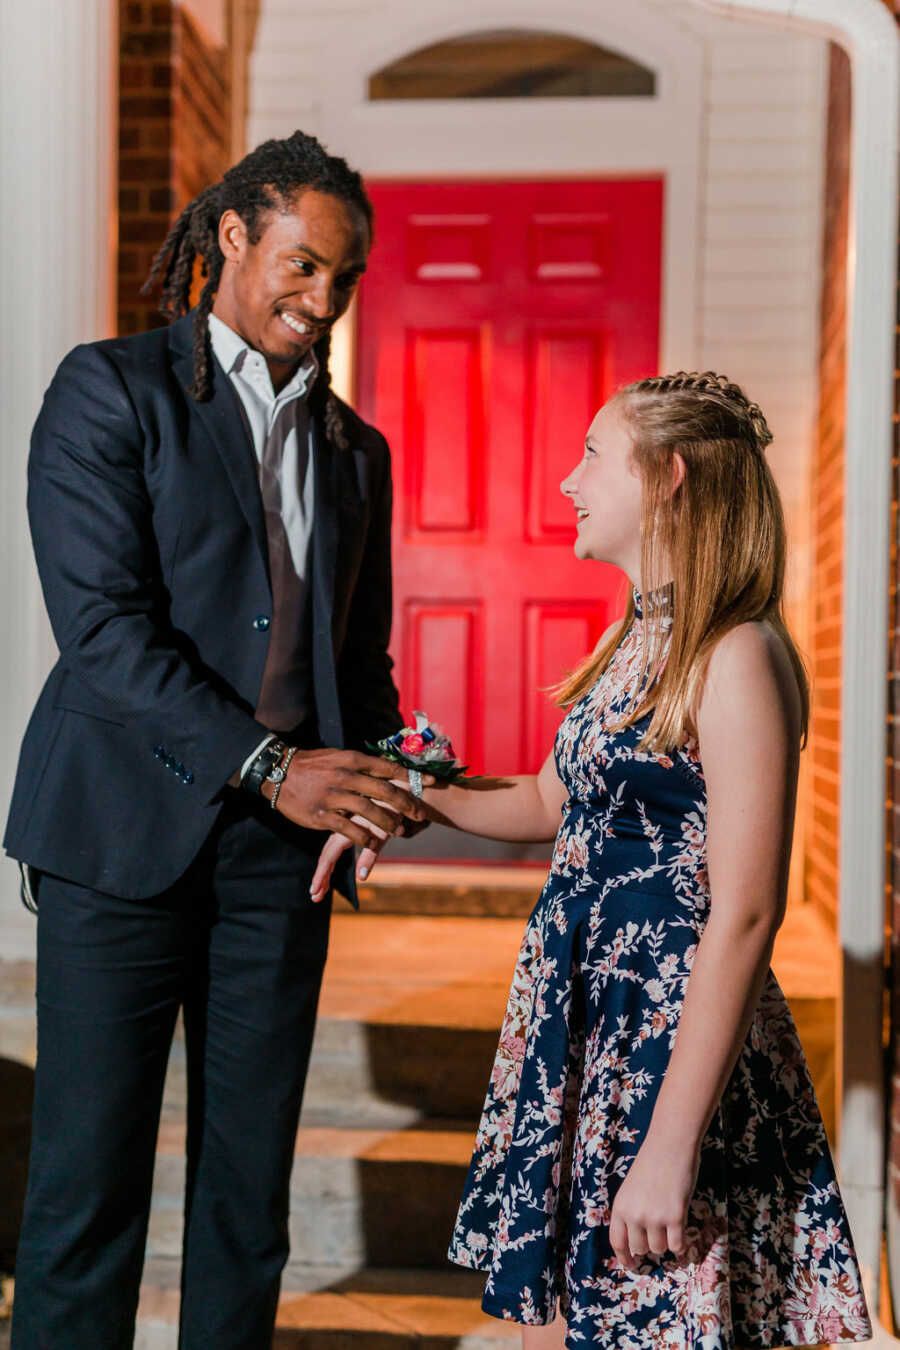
(150, 541)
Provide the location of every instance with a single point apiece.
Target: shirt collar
(231, 351)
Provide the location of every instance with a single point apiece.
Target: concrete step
(18, 1026)
(499, 890)
(352, 1083)
(361, 1310)
(414, 993)
(380, 1075)
(408, 1021)
(363, 1197)
(411, 1007)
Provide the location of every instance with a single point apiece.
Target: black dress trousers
(238, 944)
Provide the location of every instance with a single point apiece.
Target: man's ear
(679, 471)
(232, 236)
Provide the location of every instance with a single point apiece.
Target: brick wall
(821, 857)
(174, 132)
(200, 110)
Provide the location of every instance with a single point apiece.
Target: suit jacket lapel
(325, 538)
(325, 545)
(325, 527)
(222, 419)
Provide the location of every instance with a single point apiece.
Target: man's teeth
(297, 326)
(581, 513)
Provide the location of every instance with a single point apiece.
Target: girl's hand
(332, 849)
(336, 843)
(649, 1212)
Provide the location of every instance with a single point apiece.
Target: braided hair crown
(714, 389)
(264, 180)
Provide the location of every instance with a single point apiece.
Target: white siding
(760, 251)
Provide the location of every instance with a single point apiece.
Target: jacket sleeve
(370, 706)
(91, 522)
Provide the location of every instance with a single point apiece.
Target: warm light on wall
(211, 16)
(343, 350)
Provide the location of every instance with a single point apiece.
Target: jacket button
(187, 778)
(261, 622)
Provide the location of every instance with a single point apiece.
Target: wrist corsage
(421, 749)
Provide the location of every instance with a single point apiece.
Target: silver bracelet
(279, 774)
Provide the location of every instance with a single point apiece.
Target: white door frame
(868, 33)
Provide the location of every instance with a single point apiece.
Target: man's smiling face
(284, 292)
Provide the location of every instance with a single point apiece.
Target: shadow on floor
(16, 1097)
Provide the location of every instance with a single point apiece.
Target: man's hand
(325, 789)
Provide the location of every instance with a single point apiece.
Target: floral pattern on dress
(589, 1027)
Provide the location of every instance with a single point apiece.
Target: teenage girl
(651, 1169)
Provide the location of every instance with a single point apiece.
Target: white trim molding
(866, 30)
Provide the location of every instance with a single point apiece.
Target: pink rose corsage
(421, 749)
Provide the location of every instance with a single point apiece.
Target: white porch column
(58, 63)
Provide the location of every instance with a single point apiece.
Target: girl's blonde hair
(719, 539)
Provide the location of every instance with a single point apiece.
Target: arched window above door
(512, 63)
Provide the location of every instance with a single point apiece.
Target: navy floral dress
(589, 1028)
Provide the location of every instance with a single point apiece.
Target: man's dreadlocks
(263, 181)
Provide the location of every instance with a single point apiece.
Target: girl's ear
(679, 471)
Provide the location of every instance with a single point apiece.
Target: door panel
(555, 427)
(444, 408)
(442, 655)
(495, 319)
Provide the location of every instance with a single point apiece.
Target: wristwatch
(266, 767)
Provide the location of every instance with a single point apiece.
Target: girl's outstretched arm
(748, 725)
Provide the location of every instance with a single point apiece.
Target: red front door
(494, 321)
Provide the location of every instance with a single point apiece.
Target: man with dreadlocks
(212, 530)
